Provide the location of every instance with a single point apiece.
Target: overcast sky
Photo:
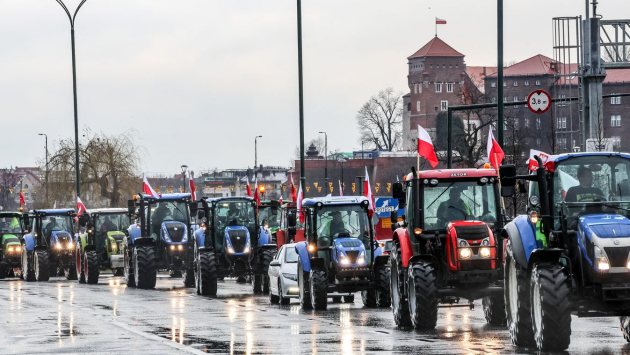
(199, 79)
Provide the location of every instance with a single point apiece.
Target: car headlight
(290, 276)
(361, 258)
(465, 253)
(343, 260)
(601, 259)
(484, 252)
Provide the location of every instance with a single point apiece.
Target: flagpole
(496, 164)
(418, 162)
(436, 27)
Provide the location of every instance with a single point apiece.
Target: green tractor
(11, 232)
(100, 245)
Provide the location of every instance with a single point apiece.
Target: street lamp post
(300, 94)
(74, 88)
(184, 168)
(46, 173)
(326, 157)
(256, 153)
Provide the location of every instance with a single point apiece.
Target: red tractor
(448, 246)
(291, 230)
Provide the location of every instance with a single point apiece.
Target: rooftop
(436, 48)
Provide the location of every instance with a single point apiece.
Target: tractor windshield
(234, 213)
(57, 223)
(457, 201)
(111, 222)
(11, 224)
(350, 221)
(266, 215)
(592, 184)
(162, 211)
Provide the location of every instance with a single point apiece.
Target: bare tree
(380, 120)
(9, 180)
(319, 143)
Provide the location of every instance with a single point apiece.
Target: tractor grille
(10, 240)
(239, 239)
(119, 236)
(175, 231)
(351, 243)
(353, 255)
(476, 232)
(63, 237)
(618, 256)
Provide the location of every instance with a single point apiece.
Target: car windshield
(234, 213)
(57, 223)
(592, 184)
(266, 214)
(290, 255)
(458, 201)
(112, 222)
(349, 221)
(12, 224)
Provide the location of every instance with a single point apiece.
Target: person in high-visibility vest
(453, 209)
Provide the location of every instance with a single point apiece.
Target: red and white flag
(55, 205)
(300, 197)
(495, 153)
(146, 187)
(439, 21)
(257, 194)
(22, 202)
(367, 192)
(293, 190)
(425, 147)
(193, 189)
(340, 189)
(80, 207)
(249, 188)
(280, 201)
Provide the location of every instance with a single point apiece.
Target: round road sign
(539, 101)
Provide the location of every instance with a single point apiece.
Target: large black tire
(206, 274)
(348, 299)
(257, 282)
(71, 272)
(40, 265)
(283, 300)
(383, 291)
(303, 284)
(267, 256)
(517, 301)
(494, 309)
(625, 327)
(130, 279)
(369, 298)
(319, 292)
(189, 277)
(241, 280)
(175, 273)
(3, 272)
(144, 271)
(28, 274)
(400, 304)
(423, 295)
(551, 309)
(91, 267)
(337, 299)
(80, 264)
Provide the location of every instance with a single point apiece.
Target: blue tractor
(571, 254)
(229, 243)
(49, 249)
(340, 254)
(159, 240)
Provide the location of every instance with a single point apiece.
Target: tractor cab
(291, 230)
(104, 231)
(269, 219)
(12, 229)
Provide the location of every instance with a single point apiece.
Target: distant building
(14, 180)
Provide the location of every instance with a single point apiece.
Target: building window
(438, 87)
(538, 123)
(562, 122)
(527, 123)
(504, 98)
(420, 88)
(444, 105)
(616, 140)
(494, 100)
(538, 141)
(515, 83)
(562, 103)
(615, 100)
(505, 83)
(409, 106)
(449, 87)
(415, 88)
(516, 123)
(562, 142)
(515, 99)
(418, 106)
(615, 120)
(493, 84)
(537, 82)
(526, 82)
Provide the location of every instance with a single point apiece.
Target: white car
(283, 283)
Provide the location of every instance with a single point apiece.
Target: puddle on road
(177, 334)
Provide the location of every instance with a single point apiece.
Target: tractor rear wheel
(303, 283)
(206, 274)
(128, 268)
(348, 299)
(517, 301)
(257, 283)
(383, 292)
(267, 256)
(369, 298)
(423, 295)
(319, 285)
(91, 267)
(40, 265)
(494, 309)
(551, 309)
(400, 304)
(189, 277)
(27, 270)
(144, 271)
(79, 265)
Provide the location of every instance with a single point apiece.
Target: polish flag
(293, 189)
(256, 194)
(55, 205)
(367, 192)
(280, 201)
(300, 197)
(80, 207)
(193, 189)
(146, 187)
(249, 188)
(439, 21)
(495, 153)
(340, 189)
(22, 202)
(425, 147)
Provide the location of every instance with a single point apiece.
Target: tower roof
(436, 48)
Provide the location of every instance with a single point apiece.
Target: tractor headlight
(601, 259)
(361, 259)
(180, 247)
(465, 253)
(484, 252)
(229, 249)
(343, 260)
(247, 247)
(18, 249)
(533, 217)
(70, 245)
(113, 246)
(485, 242)
(185, 237)
(10, 249)
(58, 246)
(462, 242)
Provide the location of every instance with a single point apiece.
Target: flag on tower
(439, 21)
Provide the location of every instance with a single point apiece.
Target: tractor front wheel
(267, 256)
(517, 301)
(369, 298)
(144, 271)
(551, 309)
(494, 309)
(348, 299)
(128, 268)
(79, 265)
(400, 304)
(91, 267)
(206, 274)
(189, 277)
(319, 293)
(383, 292)
(40, 264)
(70, 272)
(423, 295)
(257, 283)
(303, 283)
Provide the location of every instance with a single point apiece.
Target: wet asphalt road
(62, 316)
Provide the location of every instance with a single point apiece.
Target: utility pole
(500, 71)
(301, 96)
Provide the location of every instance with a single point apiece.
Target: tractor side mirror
(398, 192)
(200, 214)
(274, 210)
(131, 207)
(522, 187)
(507, 174)
(25, 219)
(291, 220)
(393, 216)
